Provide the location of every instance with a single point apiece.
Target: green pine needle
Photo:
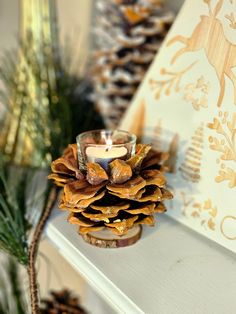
(17, 211)
(13, 224)
(12, 294)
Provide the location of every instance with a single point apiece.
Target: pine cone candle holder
(116, 201)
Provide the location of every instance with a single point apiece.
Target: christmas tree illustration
(138, 122)
(191, 167)
(173, 154)
(156, 139)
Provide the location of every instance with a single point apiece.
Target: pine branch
(13, 224)
(34, 249)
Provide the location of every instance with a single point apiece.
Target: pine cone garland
(130, 194)
(129, 34)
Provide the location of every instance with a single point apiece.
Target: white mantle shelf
(171, 270)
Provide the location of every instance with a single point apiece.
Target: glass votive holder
(103, 146)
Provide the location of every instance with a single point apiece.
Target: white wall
(8, 23)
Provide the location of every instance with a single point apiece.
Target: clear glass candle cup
(103, 146)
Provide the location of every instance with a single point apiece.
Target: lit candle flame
(108, 141)
(108, 144)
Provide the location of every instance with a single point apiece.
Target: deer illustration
(220, 52)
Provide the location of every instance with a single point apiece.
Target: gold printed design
(173, 154)
(205, 212)
(137, 126)
(170, 84)
(225, 144)
(222, 227)
(186, 202)
(207, 35)
(231, 19)
(156, 139)
(190, 168)
(196, 93)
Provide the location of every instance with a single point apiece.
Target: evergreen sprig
(13, 225)
(12, 297)
(15, 210)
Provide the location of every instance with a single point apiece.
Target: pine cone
(61, 302)
(131, 193)
(129, 34)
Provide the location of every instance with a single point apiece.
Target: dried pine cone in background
(61, 302)
(128, 34)
(129, 194)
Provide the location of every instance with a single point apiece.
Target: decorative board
(187, 105)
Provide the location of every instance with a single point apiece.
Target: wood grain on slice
(106, 239)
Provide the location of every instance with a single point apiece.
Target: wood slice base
(107, 239)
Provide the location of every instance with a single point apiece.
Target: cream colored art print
(187, 106)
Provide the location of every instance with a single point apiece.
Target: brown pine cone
(131, 193)
(129, 34)
(61, 302)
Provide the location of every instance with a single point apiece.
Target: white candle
(104, 154)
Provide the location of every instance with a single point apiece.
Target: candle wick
(109, 145)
